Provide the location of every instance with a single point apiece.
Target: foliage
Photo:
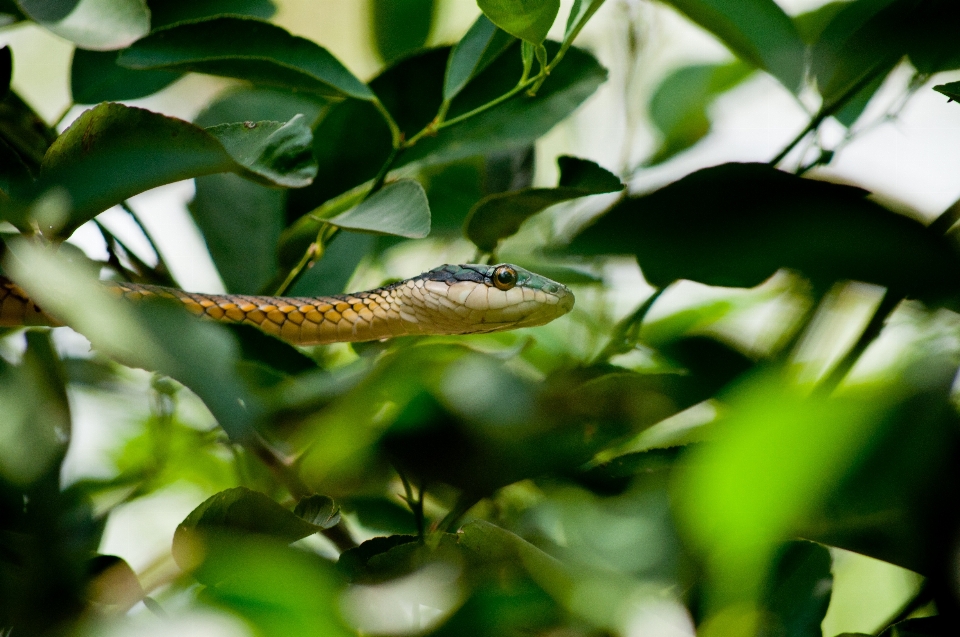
(676, 470)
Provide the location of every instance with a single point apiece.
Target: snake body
(450, 299)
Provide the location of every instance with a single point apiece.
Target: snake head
(472, 298)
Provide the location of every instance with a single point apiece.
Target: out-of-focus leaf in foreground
(499, 216)
(798, 592)
(156, 335)
(757, 31)
(247, 49)
(36, 414)
(101, 25)
(779, 457)
(736, 224)
(113, 152)
(679, 107)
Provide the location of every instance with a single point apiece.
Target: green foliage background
(682, 469)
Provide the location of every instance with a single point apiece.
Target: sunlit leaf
(679, 107)
(96, 77)
(497, 217)
(400, 28)
(399, 209)
(247, 49)
(481, 45)
(101, 25)
(757, 31)
(736, 224)
(528, 20)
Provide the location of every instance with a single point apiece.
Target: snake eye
(505, 278)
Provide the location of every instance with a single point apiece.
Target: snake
(447, 300)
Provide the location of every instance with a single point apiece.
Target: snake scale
(450, 299)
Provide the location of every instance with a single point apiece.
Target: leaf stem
(396, 135)
(161, 267)
(312, 254)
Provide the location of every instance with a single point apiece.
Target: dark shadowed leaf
(96, 77)
(112, 152)
(497, 217)
(481, 45)
(24, 131)
(951, 90)
(12, 169)
(258, 347)
(812, 23)
(319, 510)
(400, 28)
(528, 20)
(736, 224)
(920, 627)
(240, 511)
(757, 31)
(399, 209)
(247, 49)
(798, 592)
(6, 71)
(341, 257)
(101, 25)
(166, 12)
(679, 107)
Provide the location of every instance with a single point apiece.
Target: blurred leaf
(355, 562)
(157, 335)
(935, 626)
(241, 221)
(166, 12)
(10, 13)
(387, 558)
(400, 209)
(951, 90)
(514, 606)
(36, 413)
(757, 31)
(113, 582)
(400, 28)
(242, 511)
(736, 224)
(247, 49)
(481, 45)
(381, 514)
(101, 25)
(679, 107)
(798, 593)
(856, 105)
(279, 591)
(278, 152)
(96, 77)
(812, 23)
(12, 169)
(497, 217)
(528, 20)
(580, 13)
(778, 458)
(6, 71)
(112, 152)
(268, 350)
(318, 510)
(24, 131)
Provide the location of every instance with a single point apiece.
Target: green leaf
(481, 45)
(318, 510)
(580, 13)
(36, 422)
(811, 24)
(497, 217)
(736, 224)
(400, 28)
(12, 169)
(528, 20)
(24, 131)
(934, 626)
(679, 107)
(399, 209)
(112, 152)
(951, 90)
(278, 152)
(863, 41)
(101, 25)
(247, 49)
(95, 77)
(757, 31)
(6, 71)
(155, 334)
(240, 510)
(798, 593)
(166, 12)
